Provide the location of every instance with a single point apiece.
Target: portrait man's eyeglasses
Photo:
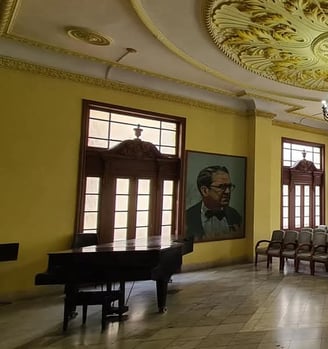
(224, 187)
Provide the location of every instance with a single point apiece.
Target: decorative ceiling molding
(14, 64)
(285, 41)
(8, 8)
(87, 35)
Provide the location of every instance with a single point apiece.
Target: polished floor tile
(235, 307)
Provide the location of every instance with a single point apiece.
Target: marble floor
(228, 307)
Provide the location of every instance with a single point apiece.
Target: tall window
(302, 184)
(130, 173)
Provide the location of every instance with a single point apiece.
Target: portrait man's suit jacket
(194, 222)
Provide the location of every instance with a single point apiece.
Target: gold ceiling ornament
(87, 35)
(283, 40)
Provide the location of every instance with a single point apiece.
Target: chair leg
(67, 311)
(296, 264)
(269, 261)
(281, 263)
(312, 267)
(255, 259)
(84, 313)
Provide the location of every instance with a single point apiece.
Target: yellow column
(261, 165)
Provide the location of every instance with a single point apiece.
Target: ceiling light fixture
(325, 110)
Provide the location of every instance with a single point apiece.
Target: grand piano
(132, 260)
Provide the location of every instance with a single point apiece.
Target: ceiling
(271, 55)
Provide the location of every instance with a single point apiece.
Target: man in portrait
(212, 218)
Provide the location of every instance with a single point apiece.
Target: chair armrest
(302, 246)
(276, 242)
(261, 242)
(316, 247)
(287, 244)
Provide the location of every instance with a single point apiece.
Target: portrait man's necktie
(219, 214)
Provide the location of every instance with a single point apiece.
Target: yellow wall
(39, 142)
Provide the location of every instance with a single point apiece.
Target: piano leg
(161, 288)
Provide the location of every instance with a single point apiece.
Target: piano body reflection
(131, 260)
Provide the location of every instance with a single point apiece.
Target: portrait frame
(237, 166)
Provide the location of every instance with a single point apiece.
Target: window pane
(91, 203)
(297, 190)
(120, 234)
(122, 131)
(97, 143)
(166, 232)
(297, 222)
(297, 211)
(121, 219)
(90, 220)
(151, 135)
(143, 186)
(121, 203)
(167, 202)
(98, 129)
(166, 217)
(92, 185)
(168, 138)
(168, 187)
(143, 202)
(122, 186)
(141, 233)
(142, 218)
(99, 114)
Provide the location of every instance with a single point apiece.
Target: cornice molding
(299, 127)
(18, 65)
(264, 114)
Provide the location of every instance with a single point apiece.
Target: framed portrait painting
(215, 196)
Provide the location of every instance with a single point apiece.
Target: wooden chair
(84, 296)
(319, 255)
(85, 239)
(75, 297)
(289, 249)
(305, 251)
(262, 246)
(289, 242)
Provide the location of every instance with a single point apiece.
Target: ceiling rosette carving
(286, 41)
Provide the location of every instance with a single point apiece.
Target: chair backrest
(322, 226)
(291, 236)
(308, 229)
(319, 229)
(277, 235)
(85, 239)
(320, 238)
(304, 237)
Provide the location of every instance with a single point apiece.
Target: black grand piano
(132, 260)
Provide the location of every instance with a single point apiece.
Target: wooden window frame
(303, 174)
(107, 164)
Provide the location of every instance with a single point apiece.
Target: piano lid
(147, 244)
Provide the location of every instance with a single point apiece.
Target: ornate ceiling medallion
(283, 40)
(87, 36)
